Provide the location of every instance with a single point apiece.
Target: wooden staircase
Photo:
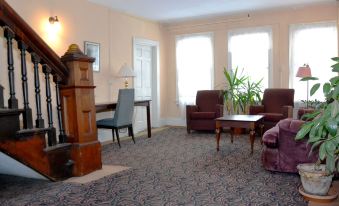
(75, 150)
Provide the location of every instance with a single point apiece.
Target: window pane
(194, 56)
(250, 52)
(313, 44)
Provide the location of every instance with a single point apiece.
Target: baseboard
(173, 122)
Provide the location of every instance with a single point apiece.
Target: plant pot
(315, 179)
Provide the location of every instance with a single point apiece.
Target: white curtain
(314, 44)
(194, 59)
(250, 50)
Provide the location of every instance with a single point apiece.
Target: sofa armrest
(255, 109)
(287, 111)
(219, 110)
(270, 138)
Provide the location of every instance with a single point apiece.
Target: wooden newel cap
(75, 54)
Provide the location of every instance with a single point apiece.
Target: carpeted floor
(171, 168)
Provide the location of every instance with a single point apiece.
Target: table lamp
(304, 71)
(125, 72)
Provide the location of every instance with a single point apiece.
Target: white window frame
(251, 30)
(183, 36)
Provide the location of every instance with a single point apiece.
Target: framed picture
(93, 50)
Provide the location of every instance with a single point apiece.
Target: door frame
(155, 109)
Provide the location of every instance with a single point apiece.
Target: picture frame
(92, 49)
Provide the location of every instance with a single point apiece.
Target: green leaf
(304, 130)
(330, 163)
(335, 92)
(314, 145)
(335, 67)
(334, 80)
(322, 152)
(326, 88)
(309, 78)
(330, 147)
(309, 116)
(335, 59)
(315, 88)
(331, 126)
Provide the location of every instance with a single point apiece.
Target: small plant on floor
(323, 131)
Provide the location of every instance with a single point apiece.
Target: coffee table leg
(261, 132)
(252, 137)
(217, 133)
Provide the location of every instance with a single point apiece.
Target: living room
(116, 31)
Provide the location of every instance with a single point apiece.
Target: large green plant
(240, 92)
(323, 130)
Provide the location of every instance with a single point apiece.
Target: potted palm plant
(240, 92)
(322, 132)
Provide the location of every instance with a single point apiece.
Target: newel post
(78, 107)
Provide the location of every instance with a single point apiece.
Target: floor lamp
(305, 71)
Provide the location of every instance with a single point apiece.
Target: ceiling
(176, 10)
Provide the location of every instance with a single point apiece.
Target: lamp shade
(304, 71)
(126, 71)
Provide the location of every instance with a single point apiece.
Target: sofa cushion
(203, 115)
(272, 117)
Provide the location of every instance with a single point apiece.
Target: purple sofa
(281, 152)
(209, 105)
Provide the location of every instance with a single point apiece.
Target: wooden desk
(110, 106)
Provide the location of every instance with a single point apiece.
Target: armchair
(209, 106)
(281, 152)
(277, 104)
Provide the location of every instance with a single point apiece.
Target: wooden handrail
(23, 32)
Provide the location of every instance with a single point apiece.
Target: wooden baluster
(12, 101)
(39, 122)
(52, 134)
(27, 115)
(62, 135)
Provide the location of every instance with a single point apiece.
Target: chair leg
(130, 129)
(113, 134)
(117, 133)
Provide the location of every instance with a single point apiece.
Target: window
(250, 50)
(314, 44)
(194, 58)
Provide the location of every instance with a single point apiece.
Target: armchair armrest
(256, 109)
(189, 110)
(219, 108)
(287, 111)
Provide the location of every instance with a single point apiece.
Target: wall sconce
(53, 19)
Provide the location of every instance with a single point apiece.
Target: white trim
(155, 109)
(173, 122)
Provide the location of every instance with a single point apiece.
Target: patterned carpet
(171, 168)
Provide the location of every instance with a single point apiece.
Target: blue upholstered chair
(123, 115)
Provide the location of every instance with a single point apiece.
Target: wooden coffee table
(240, 121)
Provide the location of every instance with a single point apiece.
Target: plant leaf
(315, 88)
(334, 80)
(304, 130)
(331, 126)
(322, 152)
(335, 67)
(335, 59)
(326, 88)
(330, 163)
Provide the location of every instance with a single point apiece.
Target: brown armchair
(209, 106)
(277, 104)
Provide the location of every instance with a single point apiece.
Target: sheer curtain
(314, 44)
(251, 51)
(194, 59)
